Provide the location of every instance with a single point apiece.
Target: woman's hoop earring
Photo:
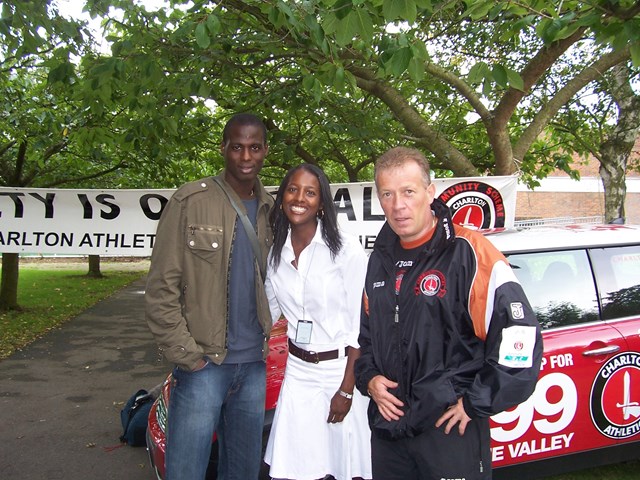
(321, 214)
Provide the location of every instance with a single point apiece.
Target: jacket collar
(261, 194)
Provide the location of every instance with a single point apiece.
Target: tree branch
(82, 178)
(536, 68)
(450, 157)
(548, 111)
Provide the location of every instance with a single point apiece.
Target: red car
(584, 284)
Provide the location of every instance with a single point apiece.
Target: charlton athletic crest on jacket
(431, 283)
(615, 397)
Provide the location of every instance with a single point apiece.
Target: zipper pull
(397, 315)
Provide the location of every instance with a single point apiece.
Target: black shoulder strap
(251, 233)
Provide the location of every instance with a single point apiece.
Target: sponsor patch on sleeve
(516, 348)
(517, 311)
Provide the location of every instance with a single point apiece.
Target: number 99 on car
(555, 400)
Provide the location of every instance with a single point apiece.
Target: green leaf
(419, 50)
(347, 30)
(524, 22)
(542, 29)
(213, 25)
(400, 9)
(317, 91)
(308, 82)
(514, 79)
(204, 90)
(500, 75)
(343, 8)
(416, 69)
(275, 17)
(63, 73)
(363, 24)
(357, 23)
(479, 10)
(399, 61)
(338, 81)
(330, 24)
(202, 38)
(567, 31)
(631, 29)
(351, 80)
(478, 73)
(170, 125)
(635, 54)
(554, 29)
(315, 30)
(487, 87)
(284, 8)
(326, 73)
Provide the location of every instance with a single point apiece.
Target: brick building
(559, 196)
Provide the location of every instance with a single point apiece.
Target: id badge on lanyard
(303, 331)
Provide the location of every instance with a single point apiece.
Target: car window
(559, 286)
(617, 273)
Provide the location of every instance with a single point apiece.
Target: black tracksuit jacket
(444, 340)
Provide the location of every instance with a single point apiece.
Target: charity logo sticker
(475, 205)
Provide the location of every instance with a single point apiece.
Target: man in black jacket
(447, 335)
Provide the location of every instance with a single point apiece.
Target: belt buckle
(313, 356)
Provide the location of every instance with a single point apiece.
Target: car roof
(563, 237)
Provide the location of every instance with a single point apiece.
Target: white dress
(302, 445)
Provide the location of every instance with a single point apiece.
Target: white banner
(123, 222)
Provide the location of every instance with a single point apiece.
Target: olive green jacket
(187, 285)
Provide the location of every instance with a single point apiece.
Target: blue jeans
(226, 399)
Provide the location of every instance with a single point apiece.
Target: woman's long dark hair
(280, 222)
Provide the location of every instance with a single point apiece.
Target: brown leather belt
(314, 357)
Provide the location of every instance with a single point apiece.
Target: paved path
(60, 398)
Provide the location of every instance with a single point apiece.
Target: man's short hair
(398, 156)
(244, 119)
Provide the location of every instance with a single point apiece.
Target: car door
(556, 419)
(615, 401)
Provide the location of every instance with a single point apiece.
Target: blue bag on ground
(134, 418)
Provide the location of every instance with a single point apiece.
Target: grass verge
(620, 471)
(51, 297)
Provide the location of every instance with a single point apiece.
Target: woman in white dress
(315, 278)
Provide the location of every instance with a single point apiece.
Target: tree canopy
(340, 80)
(474, 84)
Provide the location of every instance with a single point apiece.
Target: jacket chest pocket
(205, 241)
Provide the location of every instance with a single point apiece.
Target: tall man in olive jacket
(206, 307)
(447, 336)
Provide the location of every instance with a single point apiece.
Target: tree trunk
(615, 151)
(612, 172)
(94, 266)
(9, 282)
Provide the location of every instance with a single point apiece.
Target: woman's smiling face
(301, 199)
